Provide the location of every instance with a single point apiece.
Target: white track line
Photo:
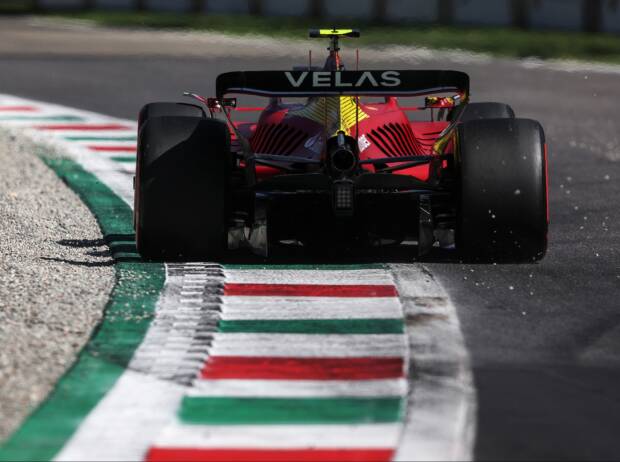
(441, 420)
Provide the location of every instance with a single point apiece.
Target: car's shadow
(122, 248)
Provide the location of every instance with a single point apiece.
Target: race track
(544, 339)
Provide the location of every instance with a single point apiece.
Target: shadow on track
(123, 249)
(90, 264)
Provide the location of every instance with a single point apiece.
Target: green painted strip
(271, 411)
(343, 267)
(125, 159)
(101, 138)
(59, 118)
(105, 357)
(314, 326)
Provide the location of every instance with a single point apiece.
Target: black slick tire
(182, 188)
(502, 212)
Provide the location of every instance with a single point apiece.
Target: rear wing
(327, 83)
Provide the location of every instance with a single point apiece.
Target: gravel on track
(55, 278)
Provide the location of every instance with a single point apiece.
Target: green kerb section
(101, 138)
(314, 326)
(124, 159)
(296, 411)
(105, 357)
(59, 118)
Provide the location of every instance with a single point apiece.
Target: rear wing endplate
(328, 83)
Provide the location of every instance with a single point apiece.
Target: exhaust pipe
(342, 158)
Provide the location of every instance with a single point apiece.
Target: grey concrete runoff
(55, 278)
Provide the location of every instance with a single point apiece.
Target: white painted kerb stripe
(308, 345)
(349, 277)
(124, 423)
(300, 388)
(249, 308)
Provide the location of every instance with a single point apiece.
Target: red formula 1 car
(335, 161)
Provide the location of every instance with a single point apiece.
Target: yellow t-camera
(319, 33)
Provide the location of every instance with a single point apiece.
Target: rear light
(343, 197)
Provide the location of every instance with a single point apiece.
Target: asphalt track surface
(544, 338)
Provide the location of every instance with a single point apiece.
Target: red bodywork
(385, 131)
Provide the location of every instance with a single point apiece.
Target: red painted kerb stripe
(310, 290)
(84, 127)
(113, 148)
(268, 455)
(275, 368)
(18, 108)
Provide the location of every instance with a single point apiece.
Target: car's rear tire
(162, 109)
(182, 188)
(479, 111)
(502, 205)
